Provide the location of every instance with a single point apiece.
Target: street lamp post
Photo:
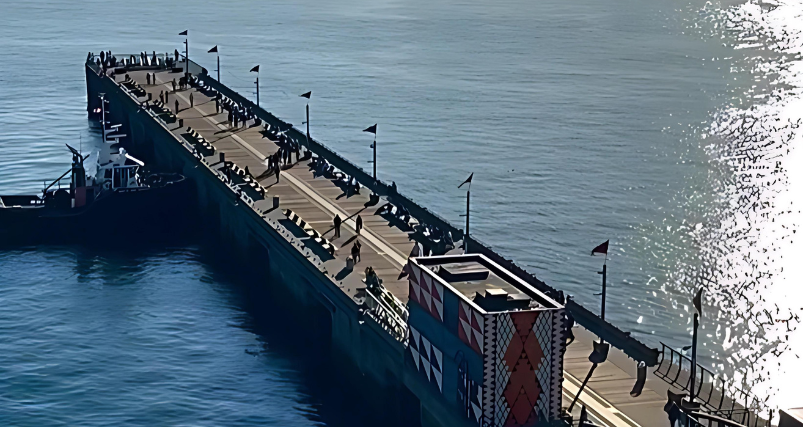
(215, 51)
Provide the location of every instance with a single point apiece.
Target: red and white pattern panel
(426, 290)
(428, 359)
(471, 327)
(526, 387)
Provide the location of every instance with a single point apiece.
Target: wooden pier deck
(385, 247)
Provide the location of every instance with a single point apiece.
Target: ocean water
(668, 127)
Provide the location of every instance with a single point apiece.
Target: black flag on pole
(306, 95)
(601, 249)
(183, 33)
(213, 50)
(467, 181)
(698, 302)
(255, 69)
(371, 129)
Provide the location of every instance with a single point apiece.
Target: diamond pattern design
(524, 381)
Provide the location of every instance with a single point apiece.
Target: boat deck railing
(717, 396)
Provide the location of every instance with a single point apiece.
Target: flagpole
(468, 211)
(187, 55)
(257, 83)
(218, 67)
(603, 248)
(698, 310)
(693, 375)
(374, 156)
(308, 137)
(604, 287)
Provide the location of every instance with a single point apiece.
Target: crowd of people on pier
(107, 61)
(321, 167)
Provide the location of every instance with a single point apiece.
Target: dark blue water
(669, 128)
(98, 336)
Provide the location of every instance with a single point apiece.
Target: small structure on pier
(491, 344)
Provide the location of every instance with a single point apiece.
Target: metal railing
(386, 316)
(711, 390)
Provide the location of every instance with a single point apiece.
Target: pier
(397, 338)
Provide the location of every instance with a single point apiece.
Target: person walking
(278, 171)
(177, 107)
(148, 78)
(162, 97)
(337, 222)
(191, 103)
(358, 225)
(174, 84)
(355, 252)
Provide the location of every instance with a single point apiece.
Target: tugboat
(122, 196)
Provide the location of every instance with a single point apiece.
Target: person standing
(174, 84)
(148, 78)
(358, 225)
(191, 103)
(278, 171)
(177, 107)
(337, 222)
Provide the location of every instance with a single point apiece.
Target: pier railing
(388, 318)
(711, 390)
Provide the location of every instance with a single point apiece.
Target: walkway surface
(386, 247)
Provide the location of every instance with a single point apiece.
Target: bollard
(180, 123)
(222, 157)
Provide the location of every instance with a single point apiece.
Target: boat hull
(133, 213)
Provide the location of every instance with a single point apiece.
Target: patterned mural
(521, 388)
(427, 358)
(426, 291)
(521, 354)
(469, 393)
(471, 325)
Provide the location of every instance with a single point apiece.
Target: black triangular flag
(183, 33)
(371, 129)
(601, 249)
(698, 302)
(306, 95)
(255, 69)
(213, 50)
(467, 181)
